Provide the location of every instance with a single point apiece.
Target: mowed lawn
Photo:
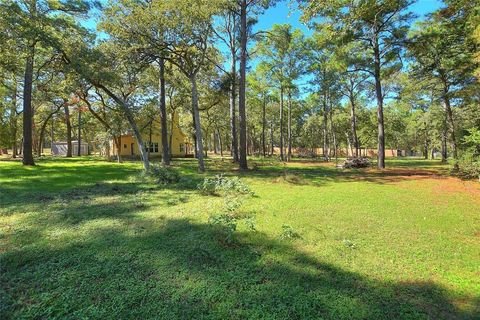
(89, 239)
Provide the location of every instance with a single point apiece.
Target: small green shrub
(223, 185)
(469, 167)
(469, 163)
(225, 226)
(164, 175)
(288, 233)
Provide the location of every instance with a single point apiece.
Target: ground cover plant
(85, 238)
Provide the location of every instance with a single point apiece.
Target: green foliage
(288, 233)
(469, 163)
(163, 175)
(222, 185)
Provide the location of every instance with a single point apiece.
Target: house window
(124, 146)
(182, 147)
(152, 148)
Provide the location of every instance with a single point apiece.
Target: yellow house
(180, 144)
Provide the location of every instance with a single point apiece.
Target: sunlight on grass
(86, 238)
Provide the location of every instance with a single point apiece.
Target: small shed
(60, 148)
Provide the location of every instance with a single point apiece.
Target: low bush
(163, 175)
(354, 163)
(223, 185)
(468, 166)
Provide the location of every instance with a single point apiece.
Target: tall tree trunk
(170, 138)
(289, 127)
(27, 109)
(242, 87)
(444, 143)
(272, 143)
(13, 121)
(69, 131)
(281, 124)
(264, 124)
(233, 116)
(379, 95)
(198, 127)
(353, 124)
(220, 142)
(79, 133)
(163, 114)
(451, 123)
(334, 136)
(325, 129)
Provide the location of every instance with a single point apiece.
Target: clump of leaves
(288, 233)
(220, 184)
(469, 163)
(225, 226)
(163, 175)
(349, 244)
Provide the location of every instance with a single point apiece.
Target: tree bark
(325, 129)
(233, 116)
(271, 140)
(281, 124)
(353, 124)
(379, 95)
(27, 109)
(79, 133)
(451, 124)
(264, 123)
(69, 131)
(242, 87)
(198, 127)
(163, 114)
(289, 127)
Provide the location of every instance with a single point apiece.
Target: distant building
(60, 148)
(180, 144)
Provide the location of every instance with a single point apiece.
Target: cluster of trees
(367, 76)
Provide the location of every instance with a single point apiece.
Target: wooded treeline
(370, 75)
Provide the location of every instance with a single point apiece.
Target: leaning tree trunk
(43, 128)
(242, 96)
(198, 127)
(138, 136)
(163, 114)
(27, 110)
(69, 131)
(379, 95)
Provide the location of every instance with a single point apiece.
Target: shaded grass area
(83, 238)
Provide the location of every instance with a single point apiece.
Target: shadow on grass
(172, 269)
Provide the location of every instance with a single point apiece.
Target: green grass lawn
(85, 238)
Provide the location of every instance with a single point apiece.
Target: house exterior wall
(180, 144)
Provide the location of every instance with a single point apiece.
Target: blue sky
(282, 13)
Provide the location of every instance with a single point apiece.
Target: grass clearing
(85, 238)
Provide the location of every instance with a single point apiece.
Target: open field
(86, 238)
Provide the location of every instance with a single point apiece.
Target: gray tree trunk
(163, 114)
(242, 87)
(27, 110)
(198, 127)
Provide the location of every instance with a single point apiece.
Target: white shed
(60, 148)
